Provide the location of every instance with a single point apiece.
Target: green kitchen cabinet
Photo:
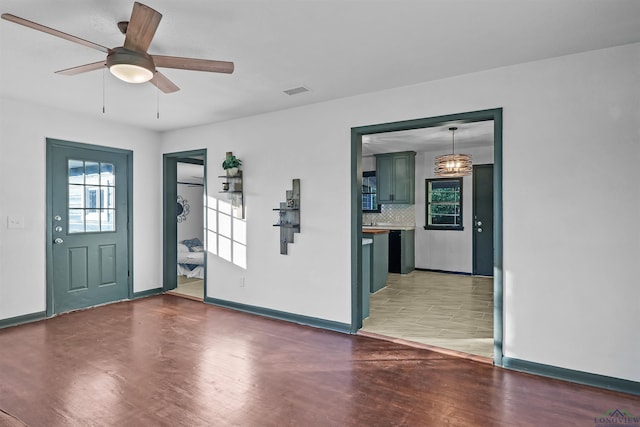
(366, 276)
(408, 242)
(379, 259)
(401, 251)
(395, 174)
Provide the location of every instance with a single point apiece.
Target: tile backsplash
(392, 215)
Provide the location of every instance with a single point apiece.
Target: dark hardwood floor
(169, 361)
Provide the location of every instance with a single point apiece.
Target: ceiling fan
(131, 62)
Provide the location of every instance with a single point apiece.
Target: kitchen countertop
(368, 228)
(371, 230)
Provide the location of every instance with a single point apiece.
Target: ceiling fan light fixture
(453, 165)
(131, 73)
(130, 66)
(131, 62)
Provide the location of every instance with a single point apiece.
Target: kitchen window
(369, 192)
(444, 204)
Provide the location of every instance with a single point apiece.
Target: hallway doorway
(184, 223)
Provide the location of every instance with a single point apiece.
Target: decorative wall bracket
(289, 216)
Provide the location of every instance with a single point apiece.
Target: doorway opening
(442, 272)
(184, 224)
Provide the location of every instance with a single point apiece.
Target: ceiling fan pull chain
(157, 101)
(103, 109)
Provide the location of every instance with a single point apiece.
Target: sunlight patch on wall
(212, 228)
(226, 234)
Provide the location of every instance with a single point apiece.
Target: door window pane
(107, 175)
(76, 220)
(108, 200)
(92, 220)
(91, 170)
(107, 220)
(76, 198)
(91, 197)
(76, 172)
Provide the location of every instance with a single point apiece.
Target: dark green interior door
(89, 213)
(170, 225)
(483, 220)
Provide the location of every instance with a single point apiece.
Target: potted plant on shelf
(231, 164)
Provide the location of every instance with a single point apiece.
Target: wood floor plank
(170, 361)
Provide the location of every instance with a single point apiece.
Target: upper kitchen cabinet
(396, 177)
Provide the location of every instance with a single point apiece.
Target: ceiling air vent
(296, 90)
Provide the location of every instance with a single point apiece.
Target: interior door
(483, 220)
(89, 253)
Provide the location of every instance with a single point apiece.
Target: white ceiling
(439, 138)
(190, 173)
(337, 48)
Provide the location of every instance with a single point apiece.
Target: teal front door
(88, 214)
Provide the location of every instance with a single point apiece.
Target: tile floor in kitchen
(451, 311)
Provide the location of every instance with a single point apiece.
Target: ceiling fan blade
(82, 68)
(161, 81)
(193, 64)
(142, 27)
(39, 27)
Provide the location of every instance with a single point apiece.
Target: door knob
(57, 218)
(58, 229)
(479, 230)
(58, 241)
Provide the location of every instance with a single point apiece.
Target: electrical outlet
(15, 222)
(242, 281)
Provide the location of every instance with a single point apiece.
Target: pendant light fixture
(453, 165)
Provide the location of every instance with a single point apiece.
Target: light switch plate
(15, 222)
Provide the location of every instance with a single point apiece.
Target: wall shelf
(289, 216)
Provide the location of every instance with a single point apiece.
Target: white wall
(448, 250)
(368, 163)
(305, 281)
(23, 130)
(193, 225)
(571, 294)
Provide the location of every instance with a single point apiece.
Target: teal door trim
(169, 223)
(51, 143)
(356, 208)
